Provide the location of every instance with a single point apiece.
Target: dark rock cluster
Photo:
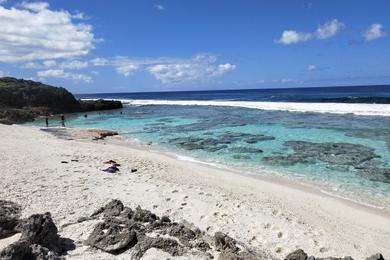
(301, 255)
(23, 100)
(39, 235)
(123, 228)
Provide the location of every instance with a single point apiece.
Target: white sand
(274, 216)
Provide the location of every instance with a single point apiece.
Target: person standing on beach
(47, 120)
(63, 120)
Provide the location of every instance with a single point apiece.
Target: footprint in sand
(267, 226)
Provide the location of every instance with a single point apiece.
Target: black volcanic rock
(23, 100)
(9, 218)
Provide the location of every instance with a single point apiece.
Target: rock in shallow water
(338, 154)
(243, 149)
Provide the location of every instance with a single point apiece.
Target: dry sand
(276, 217)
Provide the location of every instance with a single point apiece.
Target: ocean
(334, 139)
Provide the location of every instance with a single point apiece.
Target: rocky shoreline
(24, 100)
(124, 231)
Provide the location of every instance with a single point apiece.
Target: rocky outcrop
(9, 218)
(301, 255)
(39, 235)
(140, 230)
(23, 100)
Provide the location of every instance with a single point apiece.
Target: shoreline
(279, 180)
(270, 216)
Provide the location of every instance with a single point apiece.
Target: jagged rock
(296, 255)
(40, 229)
(42, 253)
(182, 232)
(225, 243)
(23, 250)
(113, 208)
(331, 258)
(168, 245)
(16, 251)
(9, 218)
(377, 256)
(143, 215)
(112, 236)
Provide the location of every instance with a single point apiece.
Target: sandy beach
(273, 216)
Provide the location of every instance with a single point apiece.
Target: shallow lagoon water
(227, 136)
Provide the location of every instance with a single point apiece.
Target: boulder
(113, 208)
(225, 243)
(377, 256)
(296, 255)
(9, 218)
(40, 229)
(112, 236)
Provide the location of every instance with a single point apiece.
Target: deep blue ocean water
(344, 154)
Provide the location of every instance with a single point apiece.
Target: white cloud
(289, 37)
(200, 68)
(311, 67)
(59, 73)
(67, 64)
(127, 69)
(34, 32)
(159, 7)
(374, 32)
(74, 64)
(99, 62)
(325, 31)
(329, 29)
(35, 6)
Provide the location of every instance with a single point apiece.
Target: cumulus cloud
(67, 64)
(373, 32)
(329, 29)
(59, 73)
(311, 67)
(324, 31)
(170, 70)
(289, 37)
(200, 68)
(31, 32)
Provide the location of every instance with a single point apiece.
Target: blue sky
(131, 46)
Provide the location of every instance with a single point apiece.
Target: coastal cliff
(23, 100)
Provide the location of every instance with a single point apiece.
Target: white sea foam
(335, 108)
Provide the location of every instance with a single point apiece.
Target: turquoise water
(345, 155)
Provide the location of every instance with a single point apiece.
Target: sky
(104, 46)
